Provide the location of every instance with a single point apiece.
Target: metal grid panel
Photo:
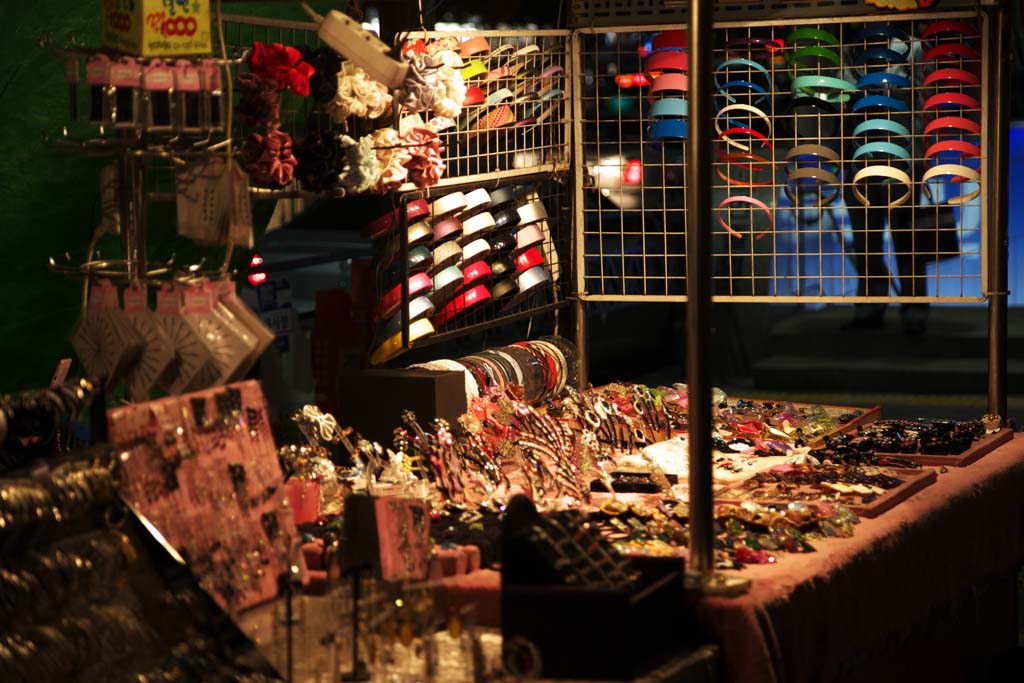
(534, 137)
(798, 245)
(556, 250)
(590, 13)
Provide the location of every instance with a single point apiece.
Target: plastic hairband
(669, 40)
(474, 95)
(882, 54)
(747, 64)
(949, 74)
(726, 135)
(815, 51)
(882, 147)
(890, 103)
(729, 122)
(959, 174)
(949, 26)
(820, 153)
(474, 46)
(887, 173)
(473, 69)
(668, 129)
(822, 178)
(669, 107)
(883, 78)
(750, 47)
(754, 87)
(951, 99)
(808, 33)
(666, 61)
(964, 148)
(752, 162)
(824, 87)
(958, 122)
(951, 52)
(668, 82)
(881, 126)
(753, 201)
(392, 347)
(887, 31)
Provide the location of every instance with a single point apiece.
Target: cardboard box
(157, 28)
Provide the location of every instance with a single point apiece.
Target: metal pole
(132, 182)
(998, 239)
(580, 321)
(698, 290)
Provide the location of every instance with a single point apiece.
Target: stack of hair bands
(882, 141)
(952, 109)
(666, 70)
(743, 123)
(542, 368)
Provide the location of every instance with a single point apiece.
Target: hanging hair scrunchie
(324, 83)
(392, 156)
(319, 157)
(433, 84)
(260, 104)
(268, 158)
(426, 165)
(360, 169)
(358, 95)
(282, 63)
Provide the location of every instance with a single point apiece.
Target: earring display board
(203, 469)
(849, 160)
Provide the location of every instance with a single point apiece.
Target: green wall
(49, 198)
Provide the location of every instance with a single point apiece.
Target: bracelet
(882, 147)
(479, 223)
(505, 217)
(420, 307)
(724, 91)
(815, 51)
(669, 107)
(809, 33)
(532, 212)
(959, 122)
(950, 74)
(528, 259)
(748, 63)
(502, 265)
(668, 129)
(445, 255)
(887, 31)
(528, 236)
(666, 61)
(949, 26)
(741, 107)
(478, 248)
(446, 228)
(823, 87)
(531, 279)
(379, 226)
(503, 289)
(882, 54)
(884, 101)
(474, 95)
(822, 176)
(474, 46)
(883, 78)
(966, 149)
(957, 99)
(669, 81)
(445, 279)
(959, 173)
(940, 52)
(419, 231)
(887, 172)
(393, 346)
(418, 284)
(475, 200)
(503, 195)
(734, 159)
(753, 201)
(477, 270)
(449, 203)
(881, 125)
(750, 132)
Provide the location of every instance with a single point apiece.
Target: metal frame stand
(998, 208)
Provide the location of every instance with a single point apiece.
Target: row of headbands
(665, 69)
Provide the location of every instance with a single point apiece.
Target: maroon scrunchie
(282, 63)
(426, 166)
(268, 158)
(260, 104)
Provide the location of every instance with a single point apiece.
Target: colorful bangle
(669, 107)
(446, 228)
(476, 272)
(420, 307)
(419, 283)
(529, 259)
(444, 255)
(821, 177)
(672, 82)
(533, 212)
(669, 40)
(478, 248)
(529, 236)
(888, 173)
(476, 225)
(753, 201)
(668, 129)
(393, 346)
(449, 203)
(474, 95)
(666, 61)
(473, 69)
(959, 174)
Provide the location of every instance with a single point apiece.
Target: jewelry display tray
(868, 416)
(977, 451)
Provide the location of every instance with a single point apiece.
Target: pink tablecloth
(920, 593)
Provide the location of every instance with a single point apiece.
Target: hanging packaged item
(157, 352)
(158, 104)
(213, 95)
(188, 97)
(213, 203)
(101, 103)
(157, 28)
(125, 86)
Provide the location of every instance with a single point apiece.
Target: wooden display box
(372, 401)
(978, 450)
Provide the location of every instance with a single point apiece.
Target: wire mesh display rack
(820, 126)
